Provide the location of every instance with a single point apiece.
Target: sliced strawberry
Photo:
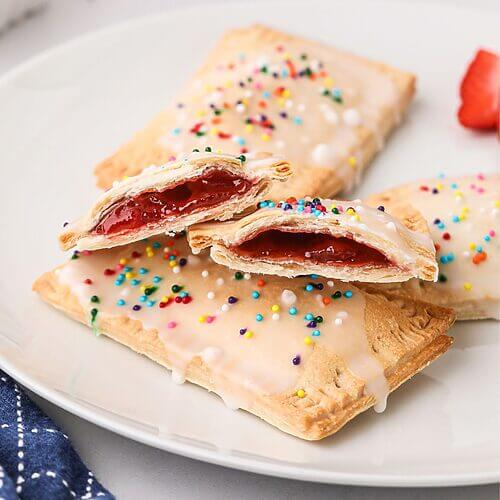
(479, 91)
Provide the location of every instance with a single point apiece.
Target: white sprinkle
(351, 117)
(301, 107)
(210, 295)
(219, 281)
(390, 225)
(276, 316)
(204, 274)
(338, 322)
(288, 298)
(330, 283)
(176, 270)
(50, 473)
(342, 314)
(224, 308)
(247, 276)
(466, 254)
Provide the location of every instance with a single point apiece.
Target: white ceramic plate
(70, 107)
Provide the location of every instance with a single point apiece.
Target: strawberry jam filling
(211, 189)
(317, 248)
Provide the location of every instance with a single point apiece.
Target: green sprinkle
(238, 275)
(94, 299)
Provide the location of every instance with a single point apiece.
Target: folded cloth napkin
(37, 460)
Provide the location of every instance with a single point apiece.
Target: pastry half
(305, 361)
(463, 215)
(260, 89)
(169, 198)
(337, 239)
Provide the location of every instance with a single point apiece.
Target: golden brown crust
(404, 335)
(145, 149)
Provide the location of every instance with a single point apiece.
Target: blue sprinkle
(121, 276)
(451, 257)
(455, 218)
(348, 294)
(441, 225)
(255, 294)
(127, 269)
(259, 317)
(176, 131)
(292, 311)
(118, 282)
(183, 294)
(263, 204)
(298, 120)
(143, 270)
(156, 245)
(300, 208)
(271, 204)
(308, 317)
(443, 259)
(172, 257)
(301, 201)
(487, 237)
(316, 333)
(336, 92)
(454, 185)
(479, 249)
(266, 94)
(143, 298)
(157, 279)
(135, 282)
(120, 302)
(151, 303)
(284, 73)
(240, 141)
(313, 276)
(309, 288)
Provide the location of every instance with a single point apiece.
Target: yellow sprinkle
(497, 203)
(248, 335)
(214, 131)
(275, 308)
(229, 84)
(287, 55)
(281, 102)
(352, 161)
(172, 263)
(439, 185)
(249, 127)
(125, 177)
(265, 137)
(164, 299)
(467, 286)
(149, 249)
(208, 88)
(465, 209)
(286, 93)
(201, 319)
(308, 341)
(301, 393)
(328, 81)
(123, 261)
(150, 254)
(472, 246)
(129, 275)
(143, 288)
(219, 151)
(357, 217)
(200, 113)
(350, 211)
(245, 102)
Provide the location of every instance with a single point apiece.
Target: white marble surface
(129, 469)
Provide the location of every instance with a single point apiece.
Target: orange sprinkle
(326, 300)
(479, 257)
(261, 282)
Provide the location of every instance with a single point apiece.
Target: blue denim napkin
(37, 460)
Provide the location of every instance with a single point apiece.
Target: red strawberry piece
(479, 92)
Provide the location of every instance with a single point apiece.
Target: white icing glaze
(358, 87)
(476, 199)
(258, 361)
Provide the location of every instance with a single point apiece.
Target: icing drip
(254, 334)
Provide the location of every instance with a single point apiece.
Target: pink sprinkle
(473, 186)
(492, 232)
(171, 324)
(171, 158)
(480, 177)
(86, 252)
(119, 267)
(307, 210)
(210, 319)
(480, 190)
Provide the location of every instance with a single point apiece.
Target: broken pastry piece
(337, 239)
(463, 216)
(201, 186)
(305, 362)
(260, 89)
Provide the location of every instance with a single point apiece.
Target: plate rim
(276, 469)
